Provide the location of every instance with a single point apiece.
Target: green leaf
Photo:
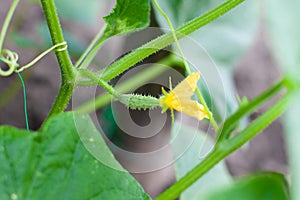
(225, 40)
(128, 16)
(86, 12)
(190, 146)
(292, 138)
(283, 30)
(55, 164)
(263, 186)
(282, 21)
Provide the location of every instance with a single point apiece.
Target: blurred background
(239, 47)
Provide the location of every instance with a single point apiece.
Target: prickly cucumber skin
(141, 102)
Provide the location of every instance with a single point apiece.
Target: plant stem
(161, 42)
(6, 22)
(66, 67)
(173, 31)
(178, 187)
(232, 121)
(226, 147)
(92, 76)
(259, 124)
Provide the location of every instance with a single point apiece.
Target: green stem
(258, 125)
(6, 22)
(232, 121)
(66, 67)
(173, 31)
(161, 42)
(178, 187)
(226, 147)
(94, 78)
(187, 68)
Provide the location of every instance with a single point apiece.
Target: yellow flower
(180, 98)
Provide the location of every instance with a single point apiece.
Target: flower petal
(186, 88)
(180, 98)
(193, 109)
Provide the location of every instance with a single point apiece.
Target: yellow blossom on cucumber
(180, 98)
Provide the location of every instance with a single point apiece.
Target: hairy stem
(94, 78)
(66, 67)
(161, 42)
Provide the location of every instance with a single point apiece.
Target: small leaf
(190, 146)
(128, 16)
(54, 164)
(264, 186)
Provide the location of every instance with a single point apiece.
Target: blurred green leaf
(190, 146)
(86, 12)
(263, 186)
(292, 138)
(55, 164)
(282, 21)
(128, 16)
(225, 40)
